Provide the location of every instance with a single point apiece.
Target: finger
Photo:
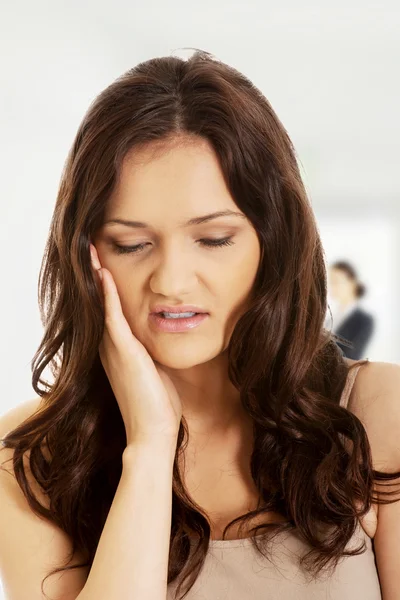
(96, 268)
(95, 258)
(115, 321)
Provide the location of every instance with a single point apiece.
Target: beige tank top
(234, 570)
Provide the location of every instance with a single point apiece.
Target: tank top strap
(351, 377)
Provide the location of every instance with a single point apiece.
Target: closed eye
(209, 243)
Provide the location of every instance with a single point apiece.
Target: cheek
(245, 271)
(235, 289)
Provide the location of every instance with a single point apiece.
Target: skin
(163, 186)
(342, 288)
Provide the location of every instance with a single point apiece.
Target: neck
(210, 402)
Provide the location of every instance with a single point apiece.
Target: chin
(178, 357)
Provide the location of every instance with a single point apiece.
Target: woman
(350, 321)
(182, 193)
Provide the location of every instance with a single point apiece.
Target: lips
(171, 312)
(176, 325)
(163, 308)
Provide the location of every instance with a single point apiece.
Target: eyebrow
(194, 221)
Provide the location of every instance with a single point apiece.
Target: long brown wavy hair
(311, 461)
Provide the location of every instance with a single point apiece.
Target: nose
(174, 274)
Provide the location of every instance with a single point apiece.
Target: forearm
(131, 561)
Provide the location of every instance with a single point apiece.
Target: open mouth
(177, 322)
(183, 315)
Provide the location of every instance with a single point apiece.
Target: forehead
(180, 176)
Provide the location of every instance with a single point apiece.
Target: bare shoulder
(27, 539)
(375, 400)
(9, 421)
(17, 414)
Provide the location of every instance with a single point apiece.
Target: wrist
(156, 448)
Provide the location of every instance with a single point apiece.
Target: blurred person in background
(349, 320)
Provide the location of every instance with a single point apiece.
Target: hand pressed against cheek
(214, 269)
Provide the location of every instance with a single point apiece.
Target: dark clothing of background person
(357, 328)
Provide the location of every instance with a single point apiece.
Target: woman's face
(341, 286)
(172, 265)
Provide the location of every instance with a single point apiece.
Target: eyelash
(206, 242)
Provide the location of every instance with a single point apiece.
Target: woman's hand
(149, 403)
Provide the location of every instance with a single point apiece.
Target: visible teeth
(177, 315)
